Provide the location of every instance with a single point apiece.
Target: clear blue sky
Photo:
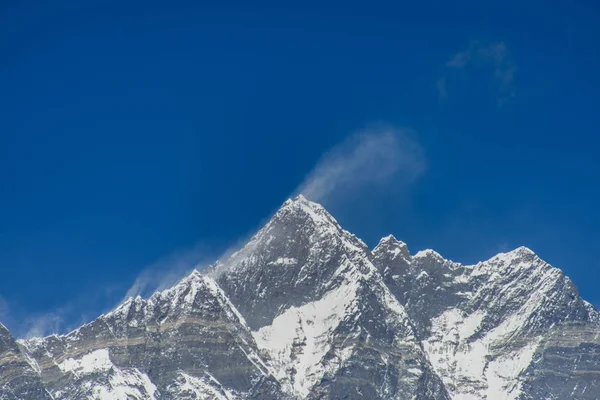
(131, 131)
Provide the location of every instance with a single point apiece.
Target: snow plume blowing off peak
(368, 159)
(377, 157)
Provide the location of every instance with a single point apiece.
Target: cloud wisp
(480, 55)
(45, 324)
(376, 158)
(372, 158)
(35, 324)
(166, 272)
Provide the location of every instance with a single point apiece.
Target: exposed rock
(306, 311)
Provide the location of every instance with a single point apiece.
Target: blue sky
(145, 137)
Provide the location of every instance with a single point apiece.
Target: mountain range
(305, 310)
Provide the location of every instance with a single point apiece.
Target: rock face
(322, 313)
(512, 327)
(187, 342)
(18, 379)
(306, 311)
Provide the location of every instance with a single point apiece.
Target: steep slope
(306, 311)
(322, 313)
(18, 378)
(505, 328)
(187, 342)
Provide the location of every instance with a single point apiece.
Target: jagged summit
(305, 311)
(519, 252)
(430, 255)
(293, 258)
(299, 198)
(298, 220)
(391, 241)
(313, 210)
(178, 344)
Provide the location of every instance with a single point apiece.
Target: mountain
(322, 313)
(187, 342)
(18, 379)
(305, 310)
(511, 327)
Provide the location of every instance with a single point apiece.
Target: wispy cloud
(166, 272)
(84, 307)
(373, 157)
(31, 325)
(481, 55)
(45, 324)
(158, 276)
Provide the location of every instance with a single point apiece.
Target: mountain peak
(299, 198)
(319, 305)
(302, 203)
(390, 240)
(519, 253)
(430, 254)
(523, 250)
(393, 248)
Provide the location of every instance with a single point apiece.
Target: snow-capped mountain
(305, 310)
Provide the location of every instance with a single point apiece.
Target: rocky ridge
(305, 310)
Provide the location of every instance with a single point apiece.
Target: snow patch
(299, 338)
(126, 385)
(205, 388)
(285, 261)
(121, 384)
(465, 365)
(96, 361)
(503, 372)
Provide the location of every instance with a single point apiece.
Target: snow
(464, 365)
(95, 361)
(475, 359)
(299, 338)
(30, 360)
(471, 324)
(502, 372)
(393, 247)
(126, 384)
(285, 261)
(480, 348)
(104, 380)
(461, 279)
(205, 388)
(422, 274)
(428, 253)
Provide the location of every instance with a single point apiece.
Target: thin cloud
(373, 157)
(480, 55)
(68, 316)
(166, 272)
(37, 325)
(158, 276)
(45, 324)
(379, 158)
